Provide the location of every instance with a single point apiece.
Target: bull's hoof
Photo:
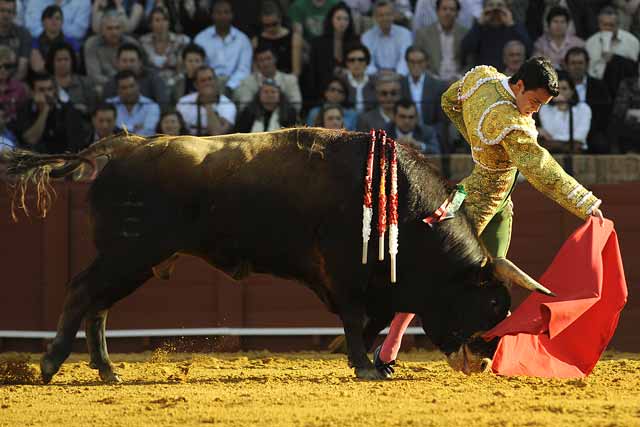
(47, 369)
(370, 374)
(109, 377)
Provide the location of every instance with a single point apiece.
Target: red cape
(563, 337)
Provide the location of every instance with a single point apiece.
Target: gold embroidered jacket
(503, 141)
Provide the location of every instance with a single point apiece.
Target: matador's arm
(453, 109)
(547, 176)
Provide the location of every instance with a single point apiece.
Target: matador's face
(530, 101)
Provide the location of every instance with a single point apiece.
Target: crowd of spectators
(75, 71)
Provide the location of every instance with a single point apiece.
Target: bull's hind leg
(95, 323)
(353, 320)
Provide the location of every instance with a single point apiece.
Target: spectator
(335, 93)
(136, 113)
(149, 83)
(103, 121)
(513, 56)
(128, 12)
(362, 92)
(207, 111)
(51, 34)
(556, 41)
(186, 17)
(7, 138)
(172, 123)
(47, 125)
(423, 89)
(426, 13)
(327, 56)
(386, 41)
(484, 43)
(360, 11)
(228, 49)
(307, 16)
(285, 44)
(629, 15)
(609, 41)
(265, 61)
(163, 47)
(565, 122)
(101, 50)
(330, 116)
(443, 40)
(626, 112)
(269, 111)
(74, 88)
(193, 57)
(406, 129)
(16, 38)
(595, 93)
(13, 93)
(583, 20)
(76, 16)
(387, 94)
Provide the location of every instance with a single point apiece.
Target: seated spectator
(424, 90)
(608, 42)
(285, 44)
(583, 20)
(307, 16)
(76, 16)
(626, 115)
(163, 48)
(565, 122)
(186, 17)
(406, 129)
(172, 123)
(74, 88)
(335, 93)
(149, 82)
(443, 41)
(629, 15)
(485, 41)
(207, 111)
(330, 116)
(327, 57)
(16, 38)
(128, 12)
(513, 56)
(45, 124)
(269, 111)
(426, 13)
(228, 49)
(595, 93)
(136, 113)
(7, 138)
(101, 50)
(386, 41)
(103, 120)
(13, 93)
(362, 92)
(51, 34)
(387, 94)
(265, 61)
(556, 41)
(193, 57)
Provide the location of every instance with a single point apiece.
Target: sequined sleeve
(452, 108)
(546, 175)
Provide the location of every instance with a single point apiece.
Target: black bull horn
(509, 272)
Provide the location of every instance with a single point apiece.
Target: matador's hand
(598, 214)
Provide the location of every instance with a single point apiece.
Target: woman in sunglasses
(12, 91)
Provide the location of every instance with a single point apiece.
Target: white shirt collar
(505, 84)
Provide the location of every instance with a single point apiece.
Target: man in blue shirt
(137, 113)
(76, 16)
(229, 50)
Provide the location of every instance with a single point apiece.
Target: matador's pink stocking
(391, 344)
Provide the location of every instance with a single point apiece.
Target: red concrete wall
(37, 258)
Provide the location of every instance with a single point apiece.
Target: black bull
(287, 203)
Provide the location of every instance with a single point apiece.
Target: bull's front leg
(95, 322)
(353, 321)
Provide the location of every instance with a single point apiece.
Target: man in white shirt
(207, 111)
(228, 49)
(137, 113)
(609, 41)
(386, 41)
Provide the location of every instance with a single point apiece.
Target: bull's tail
(26, 168)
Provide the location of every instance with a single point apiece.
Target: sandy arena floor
(310, 389)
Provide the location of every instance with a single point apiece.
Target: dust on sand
(310, 389)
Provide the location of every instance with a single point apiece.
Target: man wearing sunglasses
(387, 94)
(15, 37)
